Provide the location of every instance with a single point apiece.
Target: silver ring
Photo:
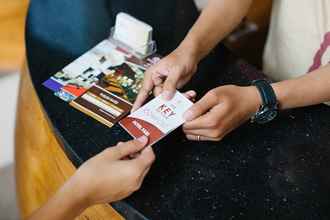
(198, 137)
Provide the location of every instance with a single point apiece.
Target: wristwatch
(269, 107)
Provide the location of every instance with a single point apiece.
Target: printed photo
(124, 81)
(108, 55)
(67, 97)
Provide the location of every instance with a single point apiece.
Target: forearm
(310, 89)
(67, 203)
(216, 21)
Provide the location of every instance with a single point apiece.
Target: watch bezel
(265, 114)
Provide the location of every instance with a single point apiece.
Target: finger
(142, 176)
(191, 95)
(145, 172)
(147, 86)
(208, 120)
(146, 158)
(200, 132)
(201, 138)
(158, 78)
(200, 107)
(158, 90)
(170, 84)
(157, 81)
(211, 120)
(122, 150)
(140, 99)
(132, 156)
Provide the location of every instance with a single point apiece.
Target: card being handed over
(157, 118)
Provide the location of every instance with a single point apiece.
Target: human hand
(220, 111)
(109, 176)
(170, 73)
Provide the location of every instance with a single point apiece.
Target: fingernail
(143, 139)
(193, 94)
(188, 115)
(167, 95)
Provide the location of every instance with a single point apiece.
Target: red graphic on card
(137, 127)
(165, 111)
(74, 90)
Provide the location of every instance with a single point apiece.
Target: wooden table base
(41, 165)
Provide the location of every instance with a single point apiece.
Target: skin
(220, 111)
(176, 69)
(223, 108)
(98, 181)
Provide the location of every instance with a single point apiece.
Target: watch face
(265, 115)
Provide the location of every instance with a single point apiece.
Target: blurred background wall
(12, 19)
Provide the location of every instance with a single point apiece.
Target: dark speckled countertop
(275, 171)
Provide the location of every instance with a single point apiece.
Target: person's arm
(67, 203)
(309, 89)
(216, 21)
(224, 108)
(107, 177)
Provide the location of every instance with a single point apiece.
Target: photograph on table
(76, 77)
(84, 72)
(108, 55)
(75, 86)
(102, 83)
(124, 81)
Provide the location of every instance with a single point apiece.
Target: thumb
(131, 147)
(200, 107)
(145, 159)
(191, 95)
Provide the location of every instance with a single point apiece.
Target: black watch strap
(266, 92)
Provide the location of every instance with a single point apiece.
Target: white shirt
(299, 38)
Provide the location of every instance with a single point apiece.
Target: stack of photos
(103, 83)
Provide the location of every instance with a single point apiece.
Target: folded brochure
(102, 83)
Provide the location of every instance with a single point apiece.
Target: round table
(274, 171)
